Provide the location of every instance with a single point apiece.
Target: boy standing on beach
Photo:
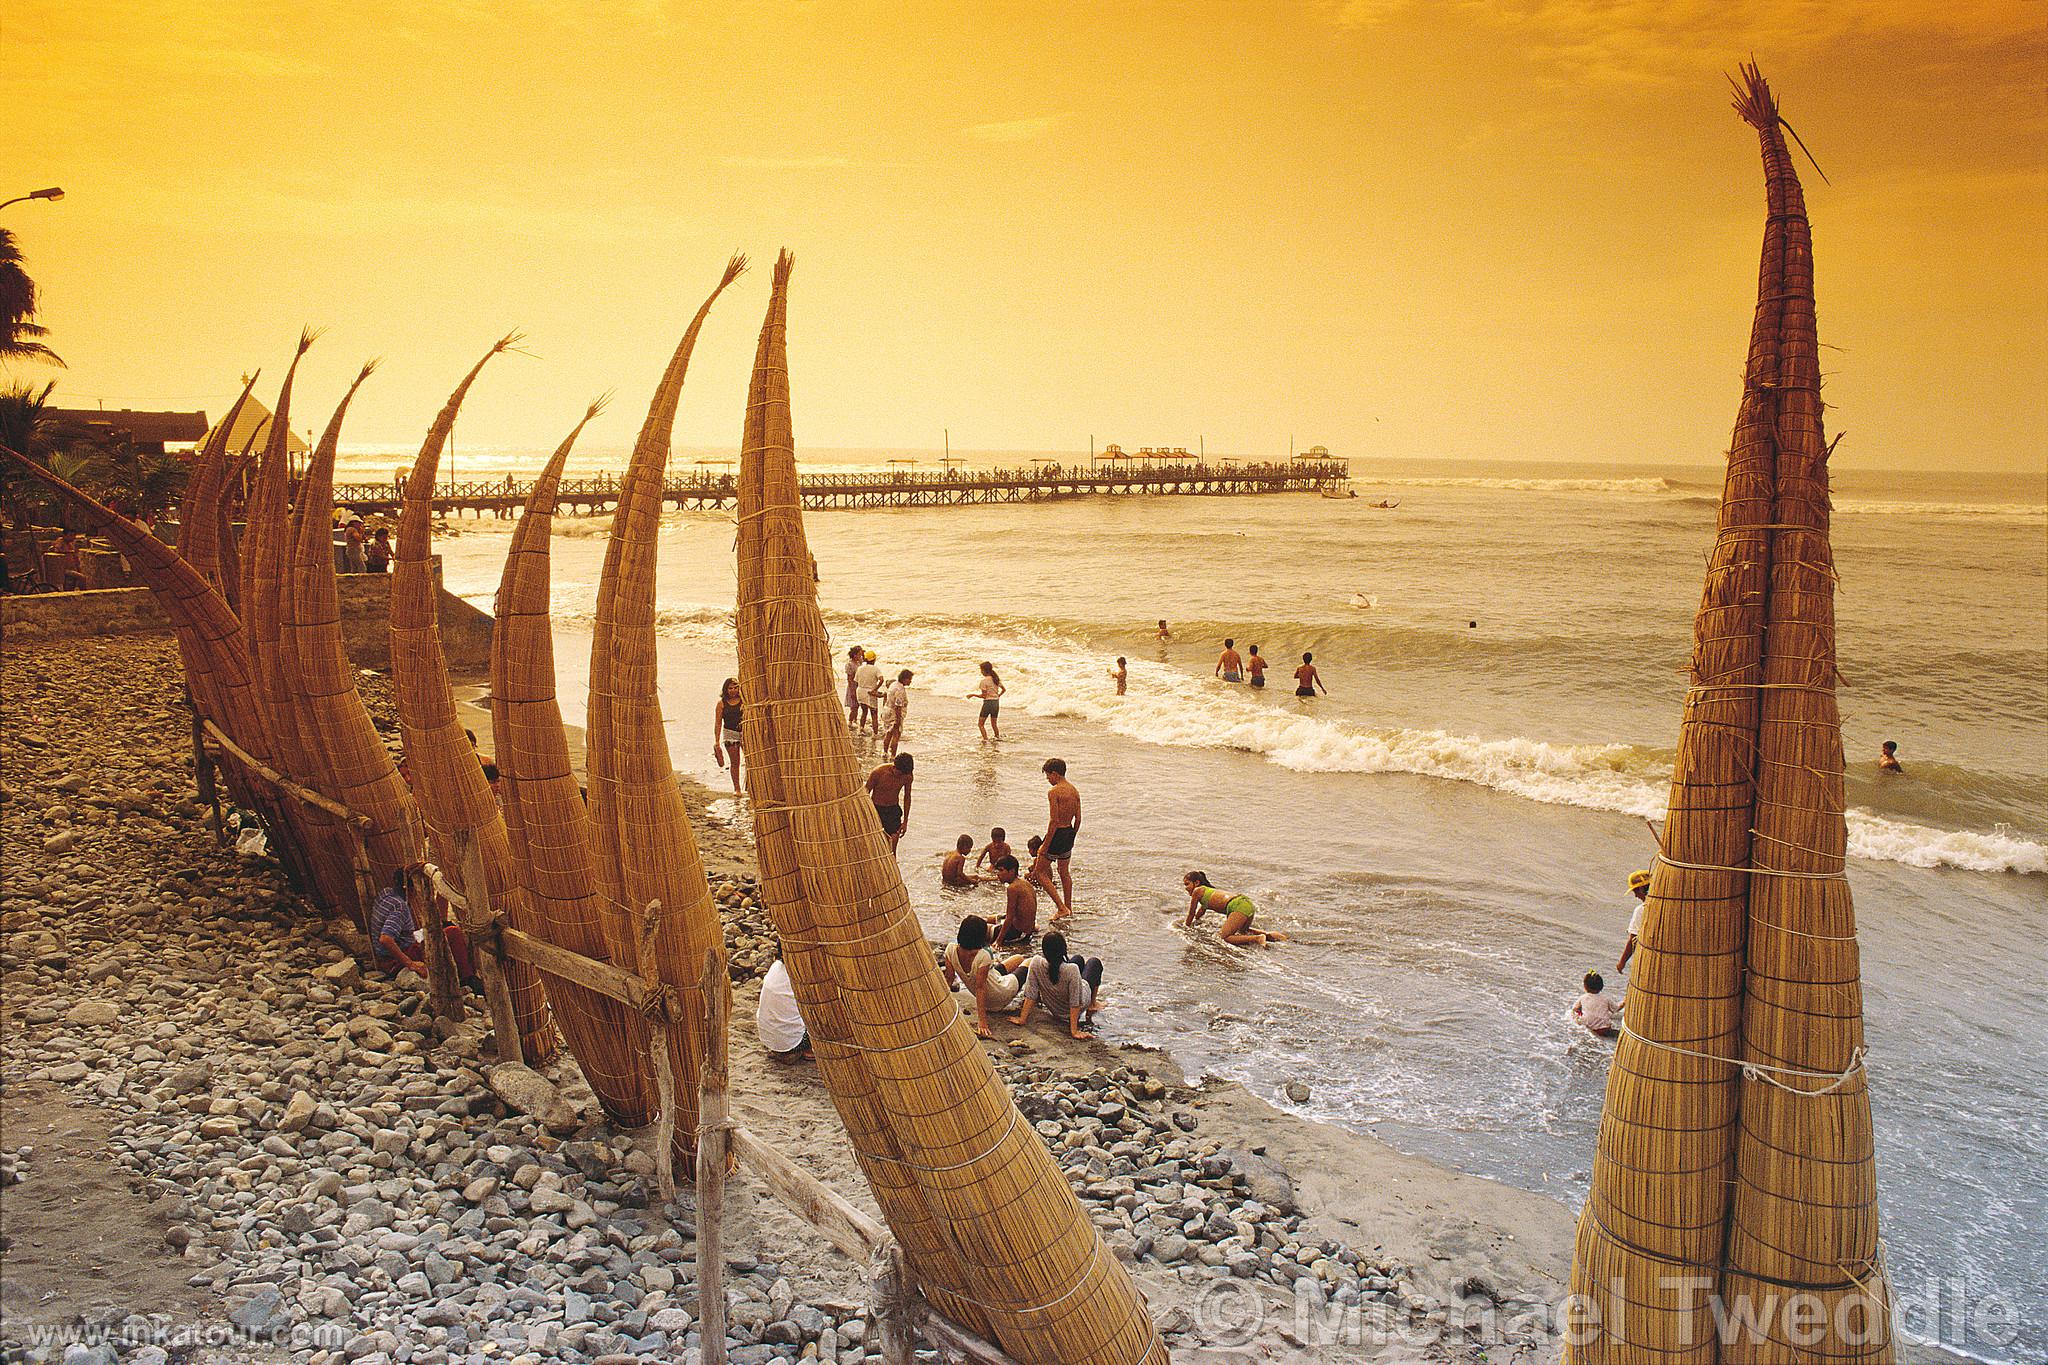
(1063, 824)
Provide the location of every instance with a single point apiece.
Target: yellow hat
(869, 655)
(1638, 879)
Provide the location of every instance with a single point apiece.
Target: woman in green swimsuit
(1238, 913)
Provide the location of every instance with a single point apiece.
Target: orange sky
(1524, 229)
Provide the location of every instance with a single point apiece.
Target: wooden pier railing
(892, 488)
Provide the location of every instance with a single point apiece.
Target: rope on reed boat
(1754, 870)
(1756, 1071)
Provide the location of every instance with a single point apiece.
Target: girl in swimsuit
(1238, 913)
(725, 729)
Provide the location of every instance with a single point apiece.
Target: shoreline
(227, 1123)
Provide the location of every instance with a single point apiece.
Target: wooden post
(444, 987)
(203, 775)
(894, 1314)
(711, 1149)
(483, 944)
(366, 886)
(664, 1068)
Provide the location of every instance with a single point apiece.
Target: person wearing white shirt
(1639, 887)
(895, 705)
(1595, 1011)
(778, 1021)
(867, 681)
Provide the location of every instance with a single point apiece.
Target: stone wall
(30, 618)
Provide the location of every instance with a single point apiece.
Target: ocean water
(1448, 833)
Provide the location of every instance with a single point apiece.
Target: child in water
(1888, 758)
(1595, 1012)
(953, 872)
(995, 850)
(1238, 913)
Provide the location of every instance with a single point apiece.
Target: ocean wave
(1994, 511)
(1644, 486)
(1172, 708)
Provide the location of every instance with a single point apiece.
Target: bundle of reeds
(199, 518)
(339, 743)
(841, 1062)
(1717, 1175)
(447, 775)
(324, 844)
(1036, 1267)
(646, 853)
(1802, 1234)
(545, 819)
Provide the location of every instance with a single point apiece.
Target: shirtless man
(1020, 907)
(1063, 823)
(1888, 758)
(1229, 666)
(889, 789)
(1307, 679)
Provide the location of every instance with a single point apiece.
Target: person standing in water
(1255, 668)
(1307, 679)
(990, 689)
(1888, 758)
(895, 706)
(867, 683)
(1229, 666)
(1639, 887)
(1238, 913)
(725, 729)
(853, 661)
(889, 788)
(1121, 673)
(1063, 824)
(1164, 633)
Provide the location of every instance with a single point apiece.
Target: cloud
(1014, 130)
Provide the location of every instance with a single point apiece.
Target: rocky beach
(224, 1140)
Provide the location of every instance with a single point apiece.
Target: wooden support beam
(476, 895)
(285, 784)
(811, 1199)
(712, 1133)
(896, 1313)
(444, 987)
(958, 1344)
(664, 1068)
(653, 1000)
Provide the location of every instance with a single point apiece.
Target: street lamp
(52, 194)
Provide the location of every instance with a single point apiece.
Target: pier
(890, 488)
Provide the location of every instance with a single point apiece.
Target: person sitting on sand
(777, 1020)
(1639, 887)
(1121, 673)
(396, 937)
(953, 872)
(972, 969)
(1307, 679)
(726, 714)
(1229, 666)
(895, 706)
(1594, 1011)
(995, 850)
(889, 789)
(1040, 876)
(1238, 913)
(1064, 985)
(1255, 668)
(1020, 907)
(1888, 758)
(377, 554)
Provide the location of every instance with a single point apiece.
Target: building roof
(148, 428)
(252, 429)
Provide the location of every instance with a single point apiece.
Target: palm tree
(20, 335)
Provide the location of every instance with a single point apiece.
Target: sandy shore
(213, 1117)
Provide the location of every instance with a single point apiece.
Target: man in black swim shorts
(1063, 824)
(889, 789)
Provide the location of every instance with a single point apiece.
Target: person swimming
(1238, 913)
(1888, 758)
